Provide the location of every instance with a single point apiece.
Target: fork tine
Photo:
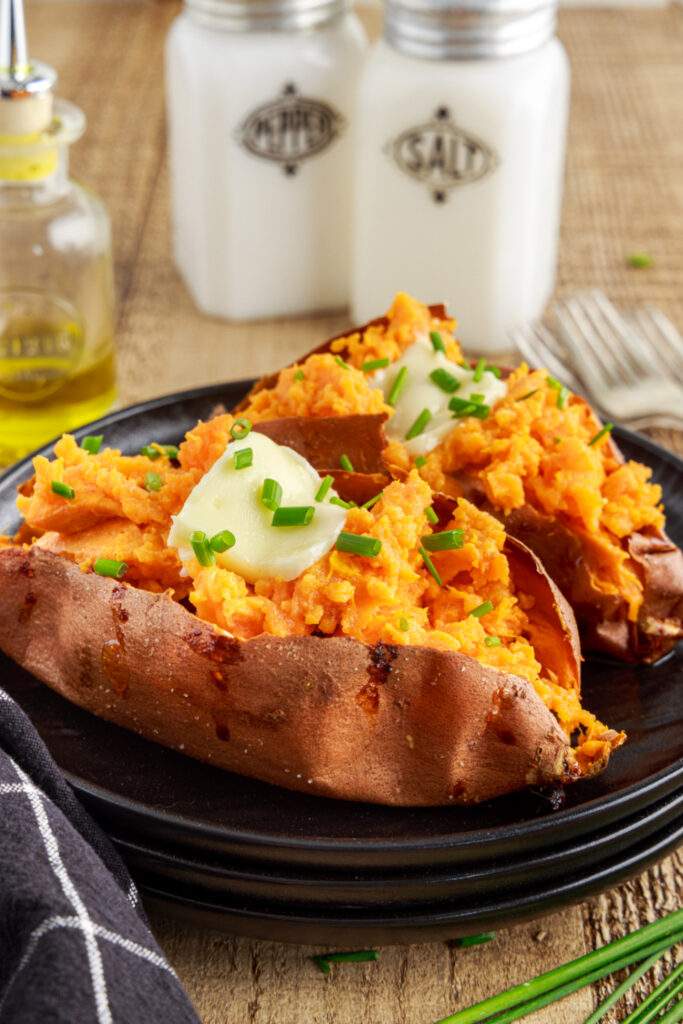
(537, 344)
(664, 338)
(579, 335)
(626, 341)
(647, 332)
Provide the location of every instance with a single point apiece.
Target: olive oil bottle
(56, 283)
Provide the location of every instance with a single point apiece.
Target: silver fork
(621, 371)
(539, 347)
(665, 341)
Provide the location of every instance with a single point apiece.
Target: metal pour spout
(25, 85)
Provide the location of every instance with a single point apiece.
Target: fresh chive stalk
(371, 502)
(240, 428)
(243, 458)
(479, 370)
(482, 609)
(437, 341)
(523, 999)
(431, 515)
(341, 503)
(419, 425)
(420, 461)
(374, 364)
(222, 541)
(429, 565)
(447, 540)
(398, 386)
(639, 260)
(492, 641)
(151, 452)
(202, 549)
(92, 443)
(345, 463)
(292, 515)
(663, 993)
(468, 407)
(476, 940)
(299, 375)
(325, 485)
(495, 370)
(153, 482)
(476, 398)
(444, 380)
(607, 429)
(323, 960)
(340, 362)
(111, 568)
(358, 544)
(271, 494)
(621, 990)
(562, 391)
(63, 490)
(171, 451)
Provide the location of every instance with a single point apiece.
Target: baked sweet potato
(388, 679)
(537, 462)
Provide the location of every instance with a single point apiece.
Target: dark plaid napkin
(74, 942)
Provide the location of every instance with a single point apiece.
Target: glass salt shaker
(461, 125)
(260, 97)
(56, 288)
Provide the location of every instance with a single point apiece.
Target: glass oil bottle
(56, 283)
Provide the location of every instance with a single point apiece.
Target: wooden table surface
(624, 192)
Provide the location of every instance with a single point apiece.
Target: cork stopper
(26, 86)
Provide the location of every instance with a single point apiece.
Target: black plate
(157, 795)
(431, 922)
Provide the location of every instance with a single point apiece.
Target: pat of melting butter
(230, 499)
(420, 392)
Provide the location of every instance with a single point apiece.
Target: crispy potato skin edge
(334, 717)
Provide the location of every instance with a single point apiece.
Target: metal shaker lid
(266, 15)
(468, 29)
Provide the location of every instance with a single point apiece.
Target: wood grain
(624, 192)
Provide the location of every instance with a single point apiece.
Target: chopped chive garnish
(403, 624)
(437, 341)
(342, 503)
(492, 641)
(482, 609)
(240, 429)
(476, 940)
(608, 427)
(419, 425)
(479, 371)
(430, 565)
(293, 515)
(109, 567)
(358, 544)
(444, 380)
(151, 452)
(323, 960)
(523, 398)
(220, 542)
(371, 502)
(321, 493)
(345, 463)
(271, 494)
(243, 458)
(92, 444)
(477, 398)
(374, 364)
(63, 490)
(171, 451)
(340, 362)
(557, 440)
(431, 515)
(398, 386)
(420, 461)
(639, 260)
(562, 392)
(495, 370)
(447, 540)
(153, 482)
(299, 375)
(466, 407)
(201, 548)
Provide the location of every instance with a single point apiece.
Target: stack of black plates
(262, 861)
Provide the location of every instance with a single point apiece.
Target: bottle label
(41, 343)
(441, 155)
(290, 129)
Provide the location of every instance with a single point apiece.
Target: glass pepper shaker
(56, 282)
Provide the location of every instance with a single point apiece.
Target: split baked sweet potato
(537, 459)
(401, 677)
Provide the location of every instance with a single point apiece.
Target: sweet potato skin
(334, 717)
